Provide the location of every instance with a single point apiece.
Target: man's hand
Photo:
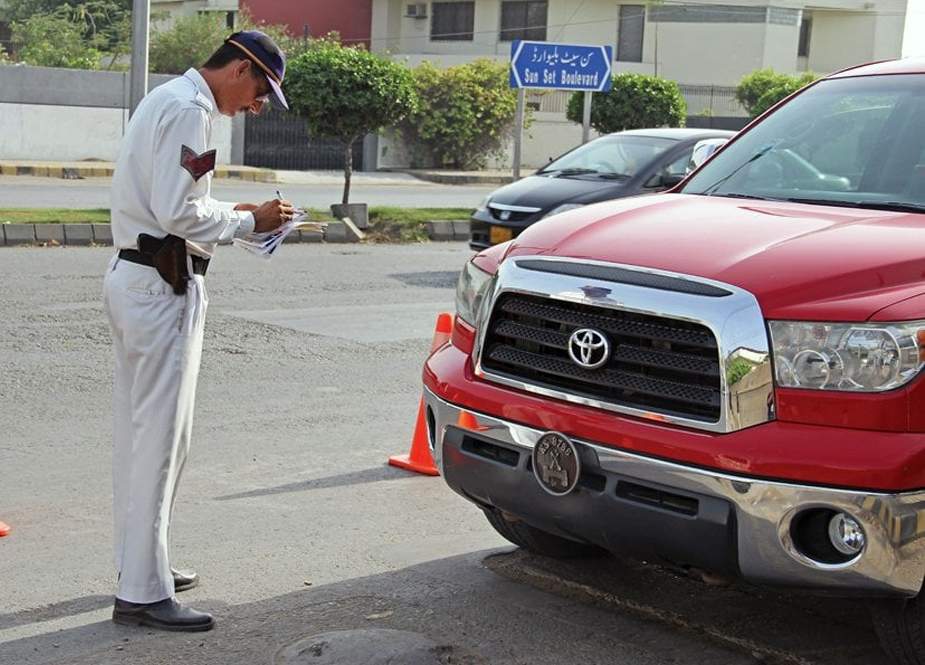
(269, 215)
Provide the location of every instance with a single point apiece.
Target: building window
(229, 20)
(806, 33)
(629, 38)
(523, 20)
(452, 21)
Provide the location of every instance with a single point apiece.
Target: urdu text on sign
(561, 66)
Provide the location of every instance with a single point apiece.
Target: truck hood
(802, 262)
(546, 193)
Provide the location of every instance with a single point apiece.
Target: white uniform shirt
(163, 175)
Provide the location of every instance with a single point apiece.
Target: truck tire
(900, 627)
(536, 540)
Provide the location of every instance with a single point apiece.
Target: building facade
(167, 11)
(692, 42)
(352, 19)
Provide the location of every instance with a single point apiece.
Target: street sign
(561, 66)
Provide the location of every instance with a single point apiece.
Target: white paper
(265, 244)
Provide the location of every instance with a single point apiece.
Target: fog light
(846, 534)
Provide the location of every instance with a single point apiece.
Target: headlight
(847, 356)
(565, 207)
(484, 204)
(473, 282)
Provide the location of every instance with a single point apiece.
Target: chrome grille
(657, 364)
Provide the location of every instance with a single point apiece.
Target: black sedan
(610, 167)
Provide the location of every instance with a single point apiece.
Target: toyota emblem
(588, 348)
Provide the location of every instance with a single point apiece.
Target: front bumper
(482, 221)
(717, 521)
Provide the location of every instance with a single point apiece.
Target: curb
(443, 178)
(96, 171)
(44, 235)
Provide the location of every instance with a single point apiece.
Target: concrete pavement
(310, 380)
(36, 192)
(100, 169)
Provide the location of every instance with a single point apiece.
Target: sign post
(553, 66)
(519, 130)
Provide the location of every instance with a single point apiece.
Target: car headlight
(847, 356)
(565, 207)
(471, 288)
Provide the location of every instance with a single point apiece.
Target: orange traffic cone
(4, 529)
(419, 458)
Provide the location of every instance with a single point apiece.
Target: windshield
(856, 142)
(612, 155)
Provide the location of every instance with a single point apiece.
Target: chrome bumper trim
(891, 564)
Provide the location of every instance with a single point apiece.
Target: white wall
(73, 133)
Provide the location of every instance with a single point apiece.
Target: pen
(278, 195)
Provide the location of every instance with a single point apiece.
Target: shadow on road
(373, 475)
(60, 610)
(497, 607)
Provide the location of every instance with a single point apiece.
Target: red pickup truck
(726, 376)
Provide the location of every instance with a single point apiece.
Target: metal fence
(277, 140)
(702, 100)
(712, 100)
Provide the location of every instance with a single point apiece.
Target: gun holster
(168, 256)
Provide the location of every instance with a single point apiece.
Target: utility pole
(141, 24)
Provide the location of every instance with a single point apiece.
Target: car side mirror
(703, 150)
(670, 180)
(663, 180)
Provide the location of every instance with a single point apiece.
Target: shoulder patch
(197, 165)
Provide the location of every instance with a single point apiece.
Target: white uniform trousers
(157, 340)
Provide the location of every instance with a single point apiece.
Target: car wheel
(900, 626)
(536, 540)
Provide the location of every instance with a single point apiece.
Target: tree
(763, 88)
(53, 40)
(466, 112)
(636, 101)
(190, 40)
(344, 93)
(103, 25)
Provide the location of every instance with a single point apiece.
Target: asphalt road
(310, 380)
(29, 192)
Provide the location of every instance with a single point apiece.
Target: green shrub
(763, 88)
(345, 93)
(54, 40)
(465, 115)
(190, 40)
(636, 101)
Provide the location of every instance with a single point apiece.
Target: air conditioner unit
(417, 10)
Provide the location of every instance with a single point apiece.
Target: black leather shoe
(184, 579)
(167, 614)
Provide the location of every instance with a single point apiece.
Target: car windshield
(612, 155)
(854, 142)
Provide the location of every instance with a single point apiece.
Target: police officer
(165, 225)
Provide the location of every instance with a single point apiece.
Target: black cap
(263, 51)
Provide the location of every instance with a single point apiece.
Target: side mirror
(670, 180)
(664, 180)
(703, 150)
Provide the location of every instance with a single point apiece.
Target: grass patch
(53, 215)
(386, 223)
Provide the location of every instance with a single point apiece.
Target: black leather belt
(200, 265)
